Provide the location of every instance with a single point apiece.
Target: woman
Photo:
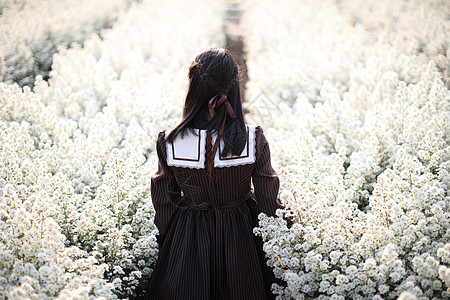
(205, 207)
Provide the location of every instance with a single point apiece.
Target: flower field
(28, 46)
(77, 154)
(358, 120)
(360, 137)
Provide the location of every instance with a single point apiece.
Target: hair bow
(214, 103)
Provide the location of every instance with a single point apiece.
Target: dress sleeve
(265, 180)
(165, 191)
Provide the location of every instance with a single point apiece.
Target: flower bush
(77, 155)
(32, 31)
(360, 139)
(406, 25)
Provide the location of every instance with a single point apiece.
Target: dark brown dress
(206, 254)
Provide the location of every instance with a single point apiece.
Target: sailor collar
(190, 151)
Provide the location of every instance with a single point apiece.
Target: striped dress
(210, 253)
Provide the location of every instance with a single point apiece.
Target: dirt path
(235, 39)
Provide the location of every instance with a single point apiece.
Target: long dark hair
(214, 72)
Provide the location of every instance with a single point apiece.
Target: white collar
(190, 151)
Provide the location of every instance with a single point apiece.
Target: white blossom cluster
(329, 47)
(360, 139)
(444, 269)
(77, 155)
(11, 4)
(407, 26)
(32, 31)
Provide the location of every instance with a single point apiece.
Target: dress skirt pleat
(183, 267)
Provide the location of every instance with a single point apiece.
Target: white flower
(77, 152)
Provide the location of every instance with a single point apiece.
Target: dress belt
(207, 205)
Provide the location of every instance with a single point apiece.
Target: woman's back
(202, 195)
(228, 183)
(208, 250)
